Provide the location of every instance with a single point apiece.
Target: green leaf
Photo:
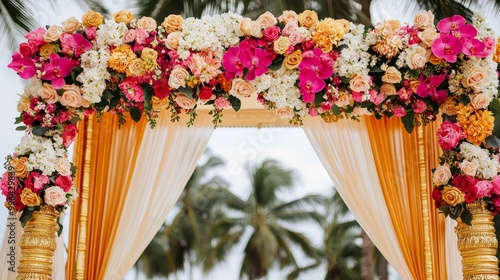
(466, 217)
(39, 130)
(75, 120)
(456, 211)
(187, 91)
(277, 63)
(60, 227)
(21, 128)
(148, 95)
(26, 216)
(235, 103)
(492, 141)
(76, 71)
(135, 114)
(408, 121)
(19, 119)
(114, 102)
(494, 107)
(445, 209)
(336, 109)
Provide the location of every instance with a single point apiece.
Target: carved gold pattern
(478, 244)
(38, 244)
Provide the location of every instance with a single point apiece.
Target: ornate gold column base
(478, 244)
(38, 244)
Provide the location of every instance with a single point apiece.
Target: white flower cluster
(353, 59)
(95, 74)
(209, 33)
(279, 88)
(483, 30)
(42, 152)
(111, 33)
(33, 88)
(487, 164)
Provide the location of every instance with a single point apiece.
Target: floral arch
(294, 64)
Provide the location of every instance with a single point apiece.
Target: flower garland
(295, 63)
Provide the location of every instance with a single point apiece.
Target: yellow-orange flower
(124, 16)
(20, 168)
(160, 104)
(224, 83)
(121, 57)
(308, 18)
(293, 60)
(476, 124)
(30, 198)
(496, 56)
(47, 49)
(92, 19)
(328, 33)
(452, 195)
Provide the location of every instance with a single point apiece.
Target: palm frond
(300, 216)
(300, 204)
(302, 242)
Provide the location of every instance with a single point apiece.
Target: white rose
(441, 175)
(423, 20)
(468, 168)
(63, 167)
(480, 101)
(417, 57)
(178, 77)
(52, 34)
(55, 196)
(266, 19)
(242, 88)
(285, 113)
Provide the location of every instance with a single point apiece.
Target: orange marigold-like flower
(496, 56)
(476, 124)
(328, 33)
(224, 83)
(389, 46)
(121, 57)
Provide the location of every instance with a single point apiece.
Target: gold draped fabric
(106, 157)
(404, 162)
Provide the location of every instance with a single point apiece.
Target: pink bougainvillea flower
(449, 24)
(232, 63)
(428, 87)
(56, 70)
(447, 46)
(310, 84)
(255, 60)
(24, 66)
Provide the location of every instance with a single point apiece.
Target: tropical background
(253, 208)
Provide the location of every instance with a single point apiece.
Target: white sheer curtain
(453, 258)
(168, 156)
(12, 237)
(345, 151)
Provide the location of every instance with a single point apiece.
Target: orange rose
(23, 104)
(92, 19)
(136, 68)
(293, 60)
(388, 89)
(449, 107)
(281, 45)
(172, 23)
(159, 104)
(20, 168)
(452, 195)
(308, 18)
(30, 198)
(124, 16)
(47, 49)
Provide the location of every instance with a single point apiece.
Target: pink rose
(419, 107)
(399, 111)
(449, 135)
(482, 188)
(464, 183)
(496, 185)
(35, 181)
(55, 196)
(26, 49)
(271, 33)
(64, 182)
(289, 28)
(8, 184)
(437, 196)
(69, 134)
(91, 32)
(205, 93)
(296, 38)
(222, 102)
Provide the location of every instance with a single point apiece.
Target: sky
(287, 145)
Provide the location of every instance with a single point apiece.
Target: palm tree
(178, 244)
(263, 215)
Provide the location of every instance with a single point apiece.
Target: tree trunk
(383, 268)
(367, 261)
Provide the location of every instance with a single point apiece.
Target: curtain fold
(135, 176)
(344, 149)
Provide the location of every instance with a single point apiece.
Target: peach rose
(159, 104)
(242, 88)
(49, 94)
(172, 41)
(423, 20)
(71, 96)
(428, 36)
(452, 195)
(392, 75)
(149, 54)
(296, 38)
(359, 111)
(136, 68)
(92, 19)
(247, 27)
(23, 104)
(289, 16)
(172, 23)
(360, 83)
(124, 16)
(281, 45)
(394, 24)
(185, 102)
(308, 18)
(285, 113)
(52, 34)
(417, 57)
(414, 85)
(388, 89)
(480, 101)
(441, 175)
(85, 102)
(147, 23)
(344, 100)
(20, 168)
(178, 77)
(474, 78)
(293, 60)
(434, 59)
(30, 198)
(266, 19)
(468, 168)
(449, 107)
(63, 167)
(55, 196)
(71, 25)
